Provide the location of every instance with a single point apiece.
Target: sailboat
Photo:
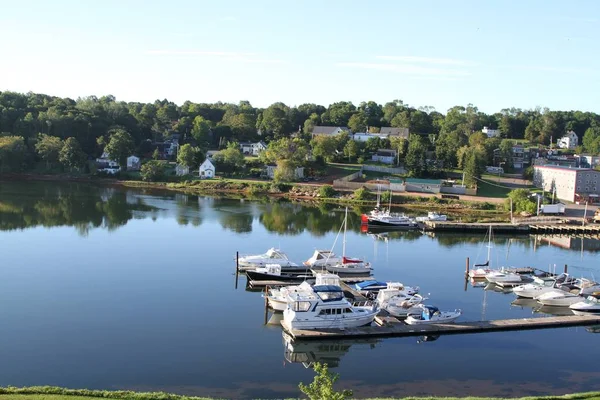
(349, 265)
(385, 218)
(479, 271)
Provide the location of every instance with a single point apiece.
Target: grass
(485, 189)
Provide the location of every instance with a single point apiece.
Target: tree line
(62, 131)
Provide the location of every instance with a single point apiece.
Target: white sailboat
(479, 271)
(349, 265)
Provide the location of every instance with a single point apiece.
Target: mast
(489, 245)
(390, 206)
(378, 194)
(344, 241)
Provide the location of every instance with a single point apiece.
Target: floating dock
(564, 229)
(392, 327)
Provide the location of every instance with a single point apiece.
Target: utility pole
(584, 214)
(538, 205)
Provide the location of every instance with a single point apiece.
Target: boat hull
(349, 270)
(261, 276)
(400, 224)
(339, 322)
(558, 302)
(445, 318)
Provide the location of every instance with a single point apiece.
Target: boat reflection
(553, 310)
(275, 320)
(593, 329)
(326, 351)
(428, 338)
(525, 303)
(495, 288)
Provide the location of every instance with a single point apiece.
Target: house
(588, 160)
(423, 185)
(385, 156)
(206, 170)
(490, 133)
(520, 157)
(252, 148)
(105, 162)
(568, 141)
(394, 132)
(329, 130)
(211, 153)
(133, 163)
(363, 136)
(270, 172)
(568, 183)
(181, 170)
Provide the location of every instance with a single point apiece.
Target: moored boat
(322, 258)
(398, 303)
(559, 298)
(432, 216)
(277, 298)
(432, 315)
(271, 256)
(273, 272)
(591, 305)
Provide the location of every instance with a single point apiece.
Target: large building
(568, 183)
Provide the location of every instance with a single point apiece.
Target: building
(270, 172)
(206, 170)
(253, 149)
(568, 183)
(364, 136)
(423, 185)
(568, 141)
(520, 157)
(133, 163)
(329, 130)
(181, 170)
(385, 156)
(105, 162)
(394, 132)
(490, 133)
(588, 160)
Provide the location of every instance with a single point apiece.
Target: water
(129, 289)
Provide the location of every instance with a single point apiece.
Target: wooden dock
(522, 228)
(392, 327)
(343, 280)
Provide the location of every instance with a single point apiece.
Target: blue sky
(493, 54)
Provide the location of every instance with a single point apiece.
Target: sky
(493, 54)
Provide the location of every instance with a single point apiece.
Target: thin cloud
(407, 69)
(228, 18)
(252, 58)
(426, 60)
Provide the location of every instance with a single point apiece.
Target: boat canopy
(366, 284)
(329, 292)
(275, 253)
(428, 312)
(327, 279)
(347, 260)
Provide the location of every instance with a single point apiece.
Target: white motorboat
(503, 276)
(559, 298)
(587, 286)
(398, 302)
(432, 216)
(322, 258)
(348, 265)
(277, 298)
(591, 305)
(325, 308)
(272, 256)
(385, 218)
(432, 315)
(532, 290)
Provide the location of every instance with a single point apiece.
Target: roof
(326, 288)
(386, 152)
(207, 163)
(424, 181)
(327, 130)
(365, 284)
(402, 132)
(563, 167)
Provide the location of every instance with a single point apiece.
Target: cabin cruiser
(325, 308)
(373, 287)
(398, 303)
(385, 218)
(591, 305)
(560, 298)
(273, 272)
(277, 298)
(352, 266)
(432, 216)
(322, 258)
(431, 315)
(503, 275)
(532, 290)
(272, 256)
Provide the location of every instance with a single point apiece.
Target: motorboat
(541, 277)
(560, 298)
(398, 303)
(431, 315)
(272, 256)
(373, 286)
(273, 272)
(432, 216)
(503, 276)
(587, 286)
(387, 219)
(277, 298)
(321, 259)
(325, 308)
(591, 305)
(532, 290)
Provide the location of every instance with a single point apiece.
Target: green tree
(351, 150)
(506, 152)
(187, 155)
(473, 164)
(358, 122)
(230, 159)
(152, 171)
(12, 153)
(312, 121)
(591, 140)
(71, 155)
(48, 148)
(200, 130)
(416, 156)
(156, 154)
(120, 146)
(522, 201)
(400, 145)
(321, 387)
(294, 150)
(325, 147)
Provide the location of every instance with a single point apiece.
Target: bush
(528, 173)
(386, 197)
(280, 187)
(152, 171)
(327, 191)
(321, 387)
(362, 194)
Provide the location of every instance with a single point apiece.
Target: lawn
(486, 189)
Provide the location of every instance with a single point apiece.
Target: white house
(133, 163)
(105, 162)
(385, 156)
(491, 132)
(568, 141)
(181, 170)
(329, 130)
(253, 148)
(270, 171)
(363, 137)
(207, 170)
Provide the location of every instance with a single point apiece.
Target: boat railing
(366, 303)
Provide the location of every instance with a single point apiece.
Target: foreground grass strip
(58, 393)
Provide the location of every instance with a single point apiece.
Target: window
(348, 310)
(301, 306)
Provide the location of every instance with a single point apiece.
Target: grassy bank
(56, 393)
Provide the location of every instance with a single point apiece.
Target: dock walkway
(391, 327)
(521, 228)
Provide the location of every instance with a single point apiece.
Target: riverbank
(468, 211)
(58, 393)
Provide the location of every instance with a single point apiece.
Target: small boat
(503, 276)
(432, 315)
(277, 298)
(273, 272)
(432, 216)
(272, 256)
(479, 271)
(591, 305)
(559, 298)
(398, 303)
(372, 286)
(325, 308)
(353, 266)
(388, 219)
(532, 290)
(322, 258)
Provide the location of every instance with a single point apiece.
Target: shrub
(386, 197)
(321, 387)
(327, 191)
(362, 194)
(152, 171)
(280, 187)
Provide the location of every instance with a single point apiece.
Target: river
(110, 288)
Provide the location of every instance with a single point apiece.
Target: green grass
(485, 189)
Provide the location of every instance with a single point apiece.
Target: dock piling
(237, 261)
(566, 268)
(266, 304)
(467, 269)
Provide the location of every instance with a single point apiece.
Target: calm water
(126, 289)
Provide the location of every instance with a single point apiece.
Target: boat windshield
(331, 296)
(301, 306)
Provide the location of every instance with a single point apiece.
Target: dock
(392, 327)
(522, 228)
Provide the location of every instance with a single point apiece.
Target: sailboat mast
(345, 226)
(489, 244)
